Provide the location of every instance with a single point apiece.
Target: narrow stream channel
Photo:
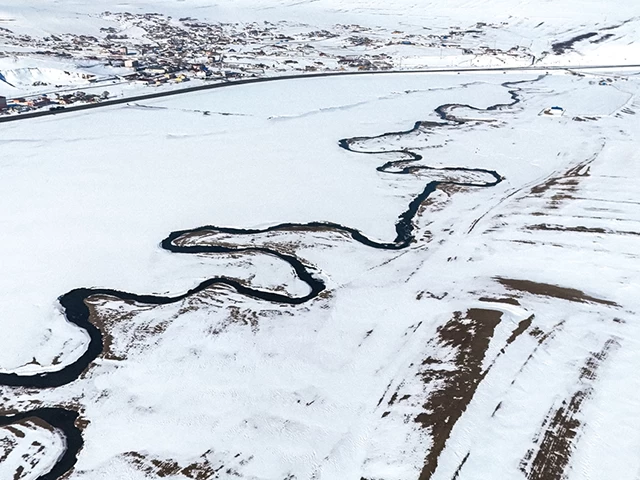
(77, 312)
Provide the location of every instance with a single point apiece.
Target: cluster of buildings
(179, 50)
(165, 49)
(153, 49)
(55, 102)
(21, 104)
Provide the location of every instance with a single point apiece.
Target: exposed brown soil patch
(510, 301)
(523, 325)
(14, 431)
(450, 188)
(554, 444)
(19, 472)
(37, 422)
(107, 314)
(237, 316)
(541, 338)
(154, 467)
(564, 186)
(8, 445)
(210, 237)
(583, 118)
(555, 291)
(580, 229)
(428, 294)
(463, 342)
(551, 183)
(104, 322)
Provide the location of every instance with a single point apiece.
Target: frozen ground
(211, 380)
(499, 344)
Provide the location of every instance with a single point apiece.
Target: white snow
(29, 449)
(268, 391)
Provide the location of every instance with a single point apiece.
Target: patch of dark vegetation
(561, 47)
(613, 27)
(457, 472)
(603, 38)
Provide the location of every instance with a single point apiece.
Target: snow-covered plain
(500, 344)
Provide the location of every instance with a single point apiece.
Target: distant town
(152, 50)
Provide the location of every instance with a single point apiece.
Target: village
(152, 50)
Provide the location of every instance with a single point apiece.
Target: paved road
(149, 96)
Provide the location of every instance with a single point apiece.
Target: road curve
(150, 96)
